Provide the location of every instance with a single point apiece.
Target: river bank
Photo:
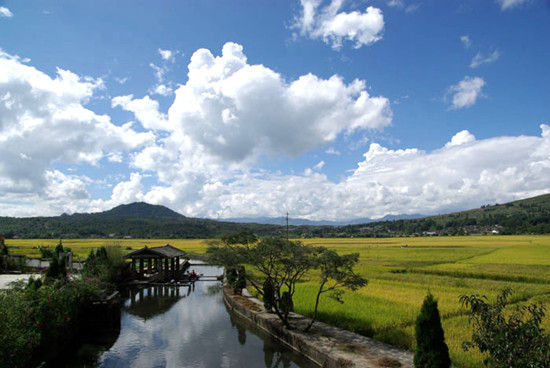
(326, 345)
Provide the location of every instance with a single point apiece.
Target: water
(182, 327)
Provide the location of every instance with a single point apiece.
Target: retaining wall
(326, 345)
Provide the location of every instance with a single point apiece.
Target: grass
(399, 278)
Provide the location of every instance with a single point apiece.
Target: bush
(511, 338)
(107, 264)
(431, 349)
(36, 319)
(269, 294)
(240, 283)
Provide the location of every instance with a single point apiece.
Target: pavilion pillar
(173, 265)
(134, 264)
(141, 266)
(177, 264)
(166, 265)
(150, 265)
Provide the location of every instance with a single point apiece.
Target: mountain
(142, 220)
(140, 210)
(136, 220)
(300, 221)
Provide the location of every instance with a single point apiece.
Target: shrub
(511, 338)
(269, 294)
(431, 349)
(37, 319)
(240, 283)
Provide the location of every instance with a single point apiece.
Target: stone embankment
(328, 346)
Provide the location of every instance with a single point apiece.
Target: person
(193, 275)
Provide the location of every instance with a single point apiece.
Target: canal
(184, 326)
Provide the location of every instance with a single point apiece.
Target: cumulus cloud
(480, 59)
(332, 151)
(235, 111)
(43, 120)
(466, 92)
(462, 174)
(334, 26)
(510, 4)
(5, 12)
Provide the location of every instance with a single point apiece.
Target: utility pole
(287, 225)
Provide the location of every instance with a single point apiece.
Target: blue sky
(428, 70)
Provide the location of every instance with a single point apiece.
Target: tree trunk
(316, 306)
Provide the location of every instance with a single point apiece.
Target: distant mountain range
(306, 222)
(143, 220)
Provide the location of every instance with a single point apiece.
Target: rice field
(399, 278)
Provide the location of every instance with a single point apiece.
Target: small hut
(167, 259)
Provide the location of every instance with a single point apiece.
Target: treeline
(101, 227)
(141, 220)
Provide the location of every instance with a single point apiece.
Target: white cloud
(43, 120)
(144, 109)
(462, 137)
(234, 111)
(167, 55)
(462, 174)
(401, 5)
(466, 92)
(396, 3)
(5, 12)
(162, 89)
(121, 80)
(510, 4)
(332, 151)
(334, 26)
(319, 165)
(466, 41)
(480, 59)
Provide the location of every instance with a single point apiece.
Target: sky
(328, 110)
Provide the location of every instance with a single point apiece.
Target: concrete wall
(328, 346)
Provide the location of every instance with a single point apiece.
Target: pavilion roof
(166, 251)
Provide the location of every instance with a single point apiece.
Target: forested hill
(142, 220)
(526, 216)
(136, 220)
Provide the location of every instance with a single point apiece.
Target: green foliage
(336, 272)
(431, 349)
(57, 268)
(511, 339)
(140, 220)
(3, 248)
(240, 282)
(268, 294)
(36, 318)
(231, 275)
(106, 264)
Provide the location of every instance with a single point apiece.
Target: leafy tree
(431, 349)
(510, 338)
(336, 273)
(283, 261)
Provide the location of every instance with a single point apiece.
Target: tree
(512, 338)
(431, 349)
(336, 273)
(283, 261)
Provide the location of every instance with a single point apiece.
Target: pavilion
(166, 259)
